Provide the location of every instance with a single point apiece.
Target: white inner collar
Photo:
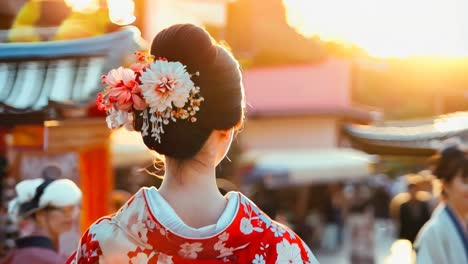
(167, 216)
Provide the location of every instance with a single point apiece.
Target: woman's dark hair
(220, 83)
(450, 162)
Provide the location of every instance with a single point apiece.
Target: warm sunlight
(84, 6)
(121, 12)
(386, 28)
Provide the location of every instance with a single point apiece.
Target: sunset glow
(121, 12)
(84, 6)
(386, 28)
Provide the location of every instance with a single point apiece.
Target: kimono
(138, 233)
(33, 249)
(442, 240)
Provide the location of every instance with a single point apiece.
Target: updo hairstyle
(220, 83)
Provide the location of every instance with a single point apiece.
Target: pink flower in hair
(123, 90)
(163, 90)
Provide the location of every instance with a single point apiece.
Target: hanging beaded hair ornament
(161, 90)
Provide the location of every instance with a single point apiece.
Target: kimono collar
(35, 241)
(243, 230)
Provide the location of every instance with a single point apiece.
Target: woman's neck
(190, 188)
(189, 175)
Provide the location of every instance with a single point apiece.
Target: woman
(443, 239)
(45, 209)
(188, 105)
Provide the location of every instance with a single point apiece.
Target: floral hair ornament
(162, 90)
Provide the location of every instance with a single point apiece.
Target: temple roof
(35, 77)
(421, 137)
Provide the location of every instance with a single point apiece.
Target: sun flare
(386, 28)
(121, 12)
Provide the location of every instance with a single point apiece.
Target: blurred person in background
(334, 214)
(444, 239)
(45, 209)
(361, 226)
(414, 213)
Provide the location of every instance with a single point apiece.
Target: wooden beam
(76, 134)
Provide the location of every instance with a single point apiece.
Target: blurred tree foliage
(415, 87)
(258, 33)
(412, 87)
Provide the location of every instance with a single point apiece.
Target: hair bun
(186, 43)
(219, 82)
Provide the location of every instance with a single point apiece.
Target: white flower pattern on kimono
(246, 226)
(225, 252)
(221, 246)
(140, 258)
(259, 259)
(164, 259)
(288, 253)
(161, 229)
(150, 224)
(277, 230)
(190, 251)
(140, 229)
(224, 236)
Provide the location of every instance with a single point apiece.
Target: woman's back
(144, 231)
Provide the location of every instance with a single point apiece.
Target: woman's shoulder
(286, 245)
(276, 237)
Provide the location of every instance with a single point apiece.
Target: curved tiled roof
(32, 75)
(411, 136)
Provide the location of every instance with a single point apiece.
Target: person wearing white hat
(50, 206)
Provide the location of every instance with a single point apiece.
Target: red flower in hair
(123, 91)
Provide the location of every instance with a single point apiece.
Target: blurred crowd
(399, 206)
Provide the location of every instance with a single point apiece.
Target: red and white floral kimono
(136, 234)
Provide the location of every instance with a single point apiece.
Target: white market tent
(296, 167)
(275, 167)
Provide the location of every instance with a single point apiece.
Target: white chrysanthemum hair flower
(166, 85)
